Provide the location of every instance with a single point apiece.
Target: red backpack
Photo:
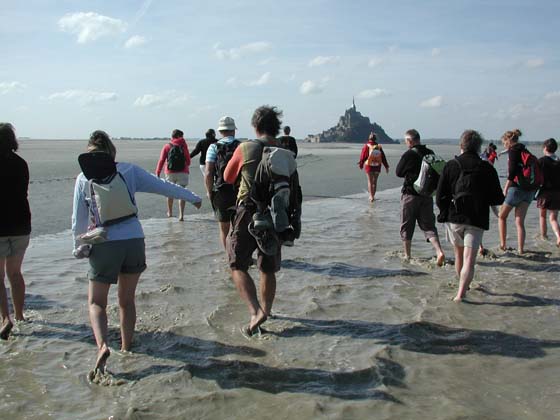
(531, 177)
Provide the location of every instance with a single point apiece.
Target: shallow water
(358, 332)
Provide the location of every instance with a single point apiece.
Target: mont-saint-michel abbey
(352, 127)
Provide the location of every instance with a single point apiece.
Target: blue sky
(143, 68)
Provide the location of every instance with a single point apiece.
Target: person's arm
(234, 166)
(495, 196)
(384, 160)
(162, 159)
(209, 177)
(294, 147)
(196, 150)
(363, 156)
(402, 166)
(80, 213)
(187, 155)
(146, 182)
(443, 192)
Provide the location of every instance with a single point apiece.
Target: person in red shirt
(177, 169)
(371, 159)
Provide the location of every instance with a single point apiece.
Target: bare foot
(457, 299)
(6, 330)
(503, 248)
(181, 219)
(371, 199)
(169, 214)
(102, 356)
(440, 260)
(544, 237)
(256, 321)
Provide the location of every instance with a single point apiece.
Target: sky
(141, 68)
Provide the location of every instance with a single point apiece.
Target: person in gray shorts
(415, 207)
(15, 226)
(120, 258)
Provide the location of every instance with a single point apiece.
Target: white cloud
(322, 60)
(83, 97)
(266, 61)
(135, 41)
(310, 87)
(393, 48)
(435, 102)
(242, 51)
(232, 82)
(375, 62)
(552, 95)
(261, 81)
(7, 87)
(168, 99)
(372, 93)
(436, 52)
(90, 26)
(534, 63)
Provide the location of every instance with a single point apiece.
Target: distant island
(352, 127)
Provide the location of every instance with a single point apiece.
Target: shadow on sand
(425, 337)
(200, 360)
(336, 269)
(521, 300)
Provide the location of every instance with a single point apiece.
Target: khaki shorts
(240, 245)
(179, 178)
(108, 259)
(464, 235)
(10, 246)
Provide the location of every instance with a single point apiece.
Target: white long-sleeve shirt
(137, 180)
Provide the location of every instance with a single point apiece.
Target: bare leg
(127, 307)
(17, 284)
(169, 207)
(542, 223)
(502, 224)
(520, 213)
(458, 260)
(267, 291)
(224, 230)
(434, 240)
(97, 298)
(554, 223)
(181, 210)
(7, 325)
(370, 185)
(246, 288)
(375, 176)
(406, 246)
(467, 273)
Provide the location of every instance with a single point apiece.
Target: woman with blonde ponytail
(516, 197)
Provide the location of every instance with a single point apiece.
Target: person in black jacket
(549, 194)
(288, 142)
(202, 147)
(516, 197)
(15, 226)
(414, 207)
(467, 187)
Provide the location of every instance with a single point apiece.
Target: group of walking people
(467, 188)
(107, 231)
(240, 188)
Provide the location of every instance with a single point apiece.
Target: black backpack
(467, 189)
(176, 158)
(224, 152)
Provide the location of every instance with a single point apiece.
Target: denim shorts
(515, 196)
